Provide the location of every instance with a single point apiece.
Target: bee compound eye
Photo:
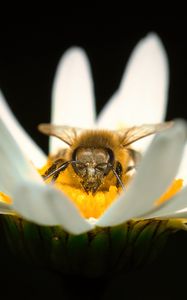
(111, 156)
(103, 167)
(80, 168)
(80, 165)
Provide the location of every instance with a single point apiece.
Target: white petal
(14, 166)
(174, 208)
(28, 146)
(181, 214)
(142, 95)
(154, 175)
(73, 96)
(45, 205)
(182, 173)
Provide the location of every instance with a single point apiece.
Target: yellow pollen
(5, 198)
(175, 187)
(90, 205)
(94, 205)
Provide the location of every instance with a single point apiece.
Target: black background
(29, 53)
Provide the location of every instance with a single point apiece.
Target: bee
(97, 158)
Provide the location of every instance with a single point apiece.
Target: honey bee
(98, 158)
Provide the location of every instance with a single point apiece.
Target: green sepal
(59, 253)
(118, 244)
(99, 252)
(77, 248)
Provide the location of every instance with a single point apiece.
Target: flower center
(90, 205)
(175, 187)
(5, 198)
(93, 205)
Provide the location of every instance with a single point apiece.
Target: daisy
(141, 98)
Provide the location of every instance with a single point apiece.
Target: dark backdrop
(29, 54)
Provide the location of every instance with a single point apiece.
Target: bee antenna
(59, 169)
(119, 179)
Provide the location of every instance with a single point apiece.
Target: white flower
(141, 98)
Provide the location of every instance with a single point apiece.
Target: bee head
(91, 165)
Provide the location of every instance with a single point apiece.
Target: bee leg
(55, 176)
(119, 173)
(52, 169)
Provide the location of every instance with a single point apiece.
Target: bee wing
(65, 133)
(133, 134)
